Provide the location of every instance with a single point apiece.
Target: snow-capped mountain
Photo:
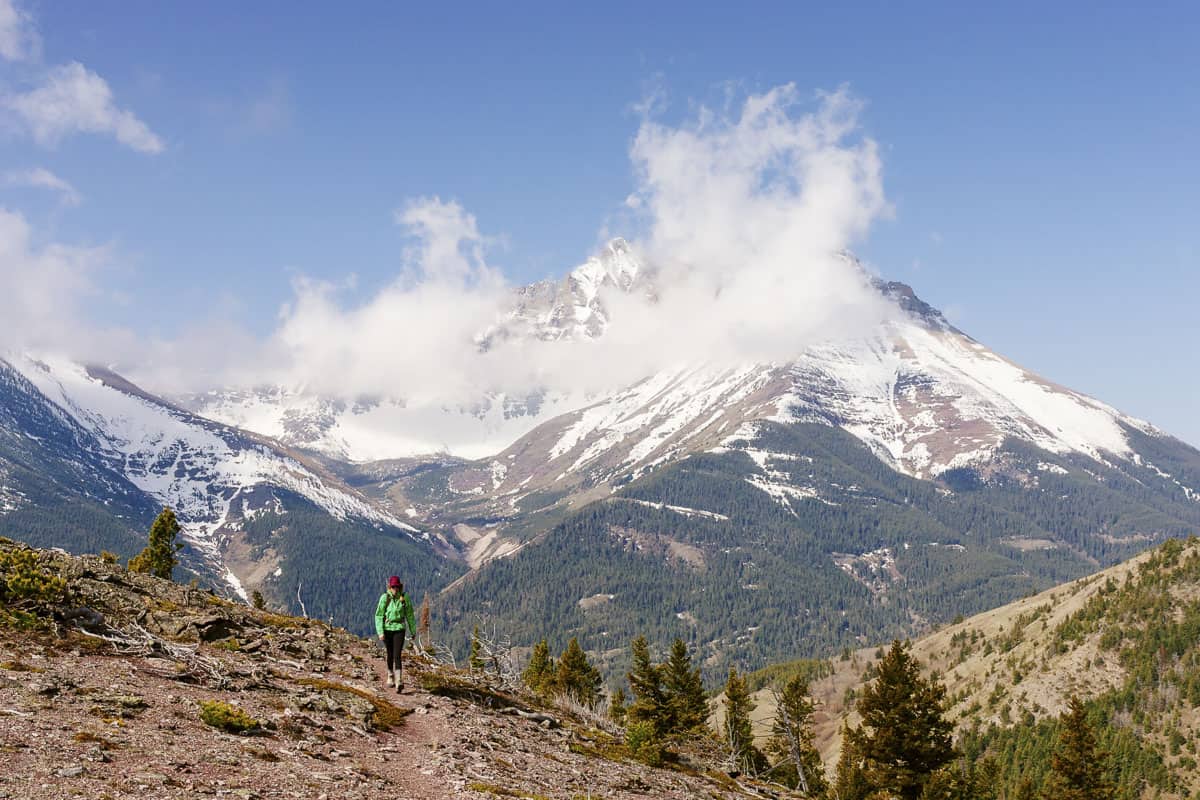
(213, 476)
(363, 429)
(923, 395)
(901, 469)
(573, 308)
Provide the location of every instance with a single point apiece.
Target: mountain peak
(908, 300)
(615, 265)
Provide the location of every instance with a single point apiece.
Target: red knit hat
(394, 582)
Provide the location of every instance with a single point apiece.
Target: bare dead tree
(789, 729)
(303, 610)
(495, 650)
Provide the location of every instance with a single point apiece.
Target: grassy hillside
(1127, 640)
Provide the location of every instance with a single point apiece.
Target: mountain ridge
(857, 455)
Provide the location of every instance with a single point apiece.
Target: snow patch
(687, 512)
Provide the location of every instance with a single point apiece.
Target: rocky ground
(102, 697)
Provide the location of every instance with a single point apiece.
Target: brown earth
(112, 709)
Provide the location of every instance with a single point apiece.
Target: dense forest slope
(841, 551)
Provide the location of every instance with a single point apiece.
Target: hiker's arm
(412, 624)
(379, 609)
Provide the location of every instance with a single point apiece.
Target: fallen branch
(134, 640)
(535, 716)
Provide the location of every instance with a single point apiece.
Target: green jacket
(394, 614)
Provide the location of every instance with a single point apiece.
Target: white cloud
(741, 212)
(744, 214)
(72, 100)
(43, 289)
(19, 40)
(41, 178)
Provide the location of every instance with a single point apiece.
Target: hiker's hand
(381, 637)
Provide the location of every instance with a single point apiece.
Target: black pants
(393, 645)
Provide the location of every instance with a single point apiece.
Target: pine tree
(475, 659)
(257, 600)
(539, 675)
(985, 779)
(616, 706)
(736, 731)
(645, 681)
(849, 782)
(683, 690)
(793, 739)
(904, 737)
(576, 676)
(1025, 790)
(158, 557)
(1077, 767)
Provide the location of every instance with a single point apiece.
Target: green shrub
(644, 744)
(24, 582)
(223, 716)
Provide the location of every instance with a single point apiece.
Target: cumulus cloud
(43, 288)
(19, 40)
(42, 178)
(72, 99)
(417, 337)
(744, 215)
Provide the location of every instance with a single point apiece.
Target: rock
(84, 617)
(70, 772)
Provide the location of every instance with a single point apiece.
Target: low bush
(644, 744)
(225, 717)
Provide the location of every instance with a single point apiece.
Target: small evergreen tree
(1026, 790)
(645, 682)
(158, 558)
(683, 691)
(576, 676)
(736, 731)
(475, 659)
(1077, 768)
(849, 782)
(904, 737)
(616, 706)
(540, 673)
(792, 740)
(257, 600)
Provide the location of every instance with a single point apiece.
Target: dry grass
(980, 684)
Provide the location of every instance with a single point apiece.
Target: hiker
(393, 618)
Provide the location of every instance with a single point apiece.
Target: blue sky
(1041, 162)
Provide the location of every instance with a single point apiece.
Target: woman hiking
(393, 618)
